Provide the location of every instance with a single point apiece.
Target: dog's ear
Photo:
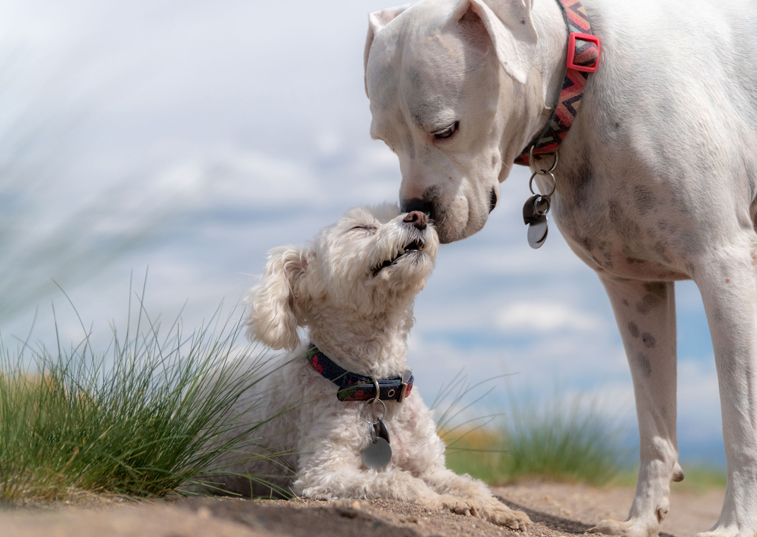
(511, 30)
(277, 302)
(376, 21)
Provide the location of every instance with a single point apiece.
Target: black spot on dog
(669, 228)
(582, 182)
(656, 288)
(648, 303)
(644, 199)
(642, 363)
(624, 225)
(625, 302)
(648, 340)
(633, 329)
(586, 244)
(717, 315)
(690, 244)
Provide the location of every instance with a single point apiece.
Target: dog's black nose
(417, 218)
(415, 204)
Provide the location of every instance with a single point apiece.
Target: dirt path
(557, 510)
(690, 513)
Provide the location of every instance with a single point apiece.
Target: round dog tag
(377, 455)
(537, 232)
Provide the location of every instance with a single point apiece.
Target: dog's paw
(491, 510)
(629, 528)
(504, 516)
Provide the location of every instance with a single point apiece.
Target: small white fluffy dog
(353, 289)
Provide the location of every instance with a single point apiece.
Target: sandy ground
(690, 512)
(556, 509)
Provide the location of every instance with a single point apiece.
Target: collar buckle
(592, 56)
(406, 376)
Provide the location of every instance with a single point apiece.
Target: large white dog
(656, 181)
(354, 290)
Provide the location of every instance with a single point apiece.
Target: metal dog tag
(537, 232)
(378, 453)
(535, 217)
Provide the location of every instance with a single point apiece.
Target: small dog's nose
(417, 218)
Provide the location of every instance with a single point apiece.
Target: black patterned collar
(354, 387)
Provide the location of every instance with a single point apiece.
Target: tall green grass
(562, 440)
(147, 415)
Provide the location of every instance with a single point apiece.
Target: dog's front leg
(332, 469)
(330, 483)
(645, 313)
(459, 493)
(726, 279)
(465, 495)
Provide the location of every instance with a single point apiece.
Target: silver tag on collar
(378, 453)
(537, 232)
(535, 217)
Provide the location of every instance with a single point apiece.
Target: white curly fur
(361, 320)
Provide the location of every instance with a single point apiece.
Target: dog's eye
(365, 227)
(447, 132)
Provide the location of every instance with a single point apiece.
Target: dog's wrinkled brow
(430, 116)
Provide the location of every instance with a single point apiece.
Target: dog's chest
(622, 235)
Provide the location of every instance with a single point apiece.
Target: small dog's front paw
(493, 511)
(504, 516)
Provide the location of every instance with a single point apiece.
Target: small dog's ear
(511, 30)
(277, 301)
(376, 21)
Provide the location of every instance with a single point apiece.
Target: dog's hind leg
(726, 279)
(645, 313)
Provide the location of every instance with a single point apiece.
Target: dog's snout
(416, 204)
(417, 219)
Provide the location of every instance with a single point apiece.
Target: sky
(186, 139)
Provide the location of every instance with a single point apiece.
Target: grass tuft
(146, 416)
(561, 441)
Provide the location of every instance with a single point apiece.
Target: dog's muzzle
(415, 246)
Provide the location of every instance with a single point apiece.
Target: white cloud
(228, 174)
(537, 316)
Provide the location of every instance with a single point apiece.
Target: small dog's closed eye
(353, 290)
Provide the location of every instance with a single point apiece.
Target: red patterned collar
(583, 58)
